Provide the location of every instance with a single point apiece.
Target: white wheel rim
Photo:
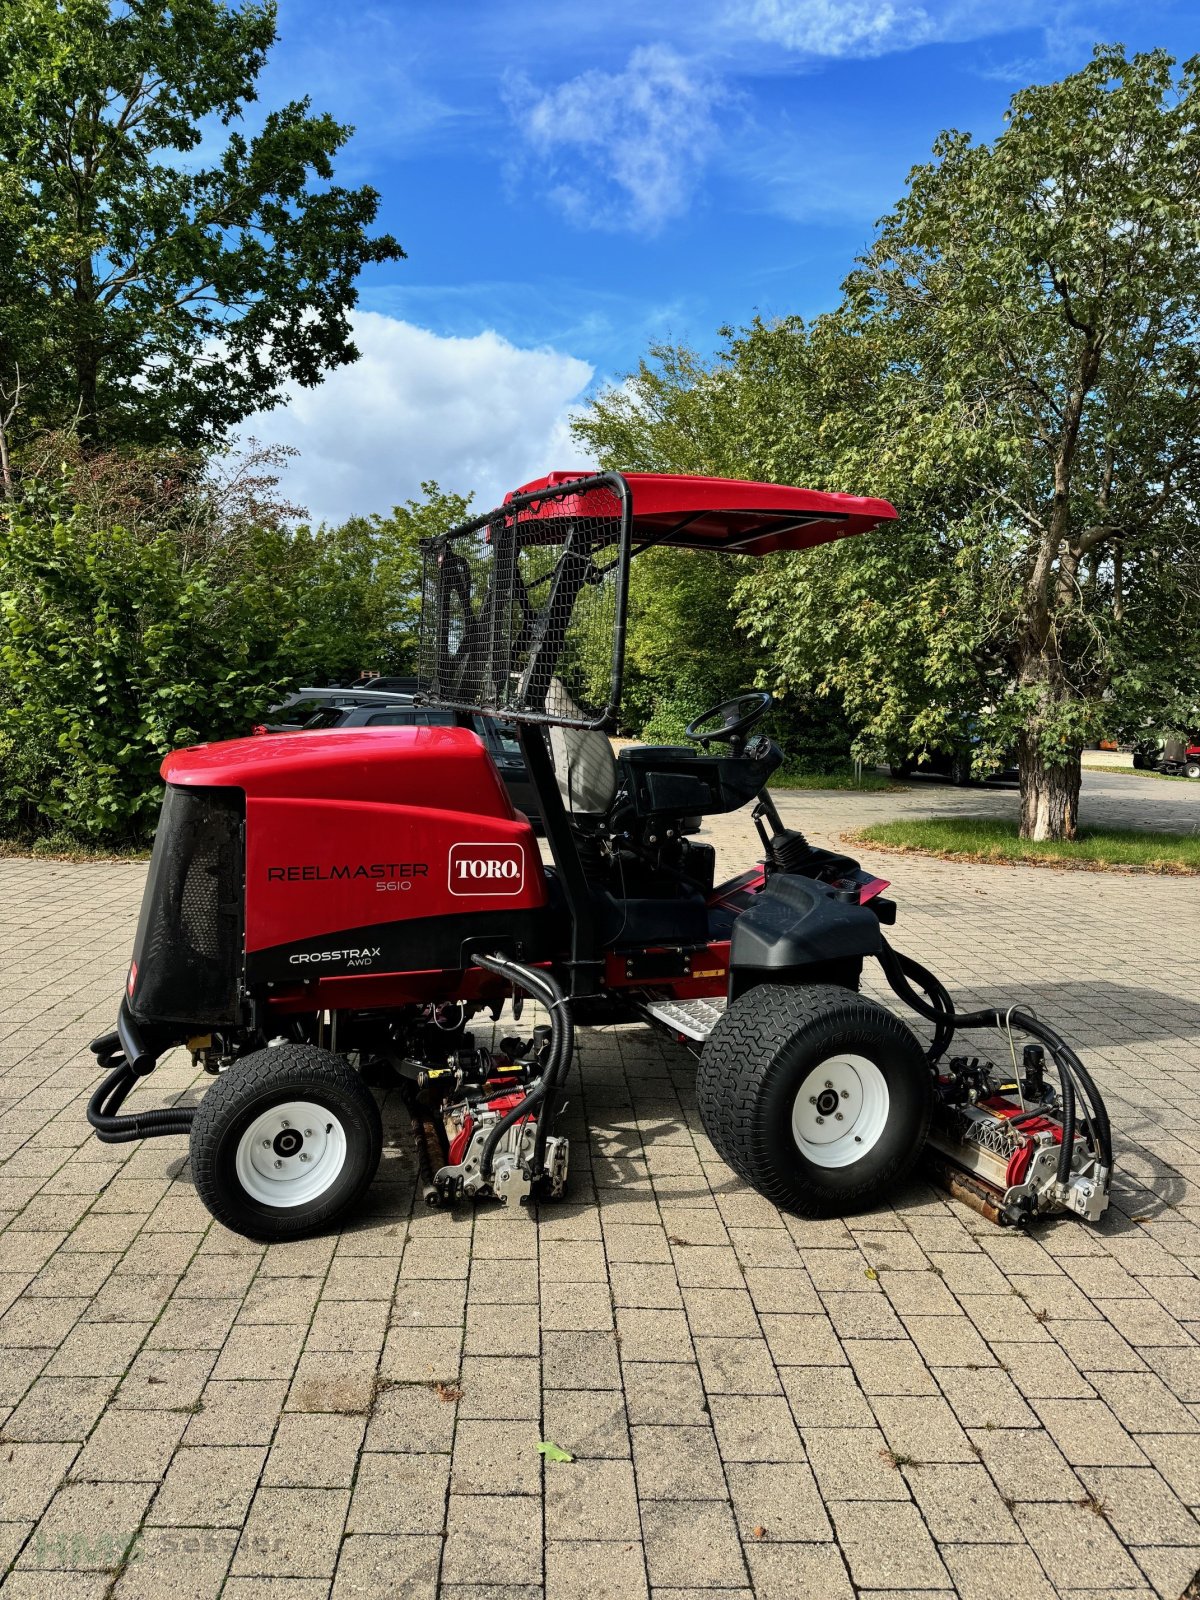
(840, 1111)
(291, 1154)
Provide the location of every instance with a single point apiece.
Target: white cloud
(622, 150)
(479, 415)
(863, 28)
(839, 27)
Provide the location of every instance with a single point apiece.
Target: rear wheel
(284, 1142)
(818, 1098)
(960, 769)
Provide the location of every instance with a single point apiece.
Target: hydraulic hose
(1090, 1094)
(543, 988)
(559, 1008)
(942, 1012)
(938, 1009)
(112, 1129)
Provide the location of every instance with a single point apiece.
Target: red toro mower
(331, 911)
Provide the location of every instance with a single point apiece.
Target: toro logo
(487, 869)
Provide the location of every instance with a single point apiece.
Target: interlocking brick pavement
(188, 1414)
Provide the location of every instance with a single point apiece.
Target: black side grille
(188, 952)
(200, 903)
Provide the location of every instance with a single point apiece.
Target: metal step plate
(695, 1019)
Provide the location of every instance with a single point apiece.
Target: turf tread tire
(284, 1071)
(749, 1053)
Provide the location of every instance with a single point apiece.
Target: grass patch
(869, 783)
(990, 839)
(61, 847)
(1137, 772)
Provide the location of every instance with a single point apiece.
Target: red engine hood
(437, 767)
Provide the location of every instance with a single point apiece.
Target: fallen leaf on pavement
(554, 1452)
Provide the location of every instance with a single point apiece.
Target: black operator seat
(673, 782)
(588, 780)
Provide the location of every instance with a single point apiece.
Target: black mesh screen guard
(188, 948)
(523, 610)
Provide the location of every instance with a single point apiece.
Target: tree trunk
(87, 379)
(1049, 791)
(87, 354)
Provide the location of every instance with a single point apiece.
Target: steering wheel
(733, 720)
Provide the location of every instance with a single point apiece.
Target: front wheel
(816, 1097)
(284, 1142)
(1191, 769)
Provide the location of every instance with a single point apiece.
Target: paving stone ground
(185, 1414)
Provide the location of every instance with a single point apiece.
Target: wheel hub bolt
(812, 1099)
(837, 1116)
(828, 1085)
(820, 1122)
(308, 1133)
(278, 1163)
(303, 1156)
(284, 1123)
(845, 1094)
(266, 1144)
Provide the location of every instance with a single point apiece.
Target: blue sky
(573, 179)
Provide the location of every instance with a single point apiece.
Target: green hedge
(154, 612)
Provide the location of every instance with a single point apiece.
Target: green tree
(1016, 363)
(1038, 302)
(163, 272)
(362, 603)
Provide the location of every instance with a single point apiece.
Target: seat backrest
(584, 765)
(586, 770)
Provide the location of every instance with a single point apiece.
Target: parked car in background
(1169, 753)
(310, 709)
(389, 685)
(955, 764)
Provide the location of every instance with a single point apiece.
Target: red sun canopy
(733, 514)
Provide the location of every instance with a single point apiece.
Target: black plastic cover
(187, 956)
(798, 922)
(677, 781)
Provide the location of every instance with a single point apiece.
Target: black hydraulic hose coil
(939, 1009)
(107, 1100)
(543, 988)
(898, 970)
